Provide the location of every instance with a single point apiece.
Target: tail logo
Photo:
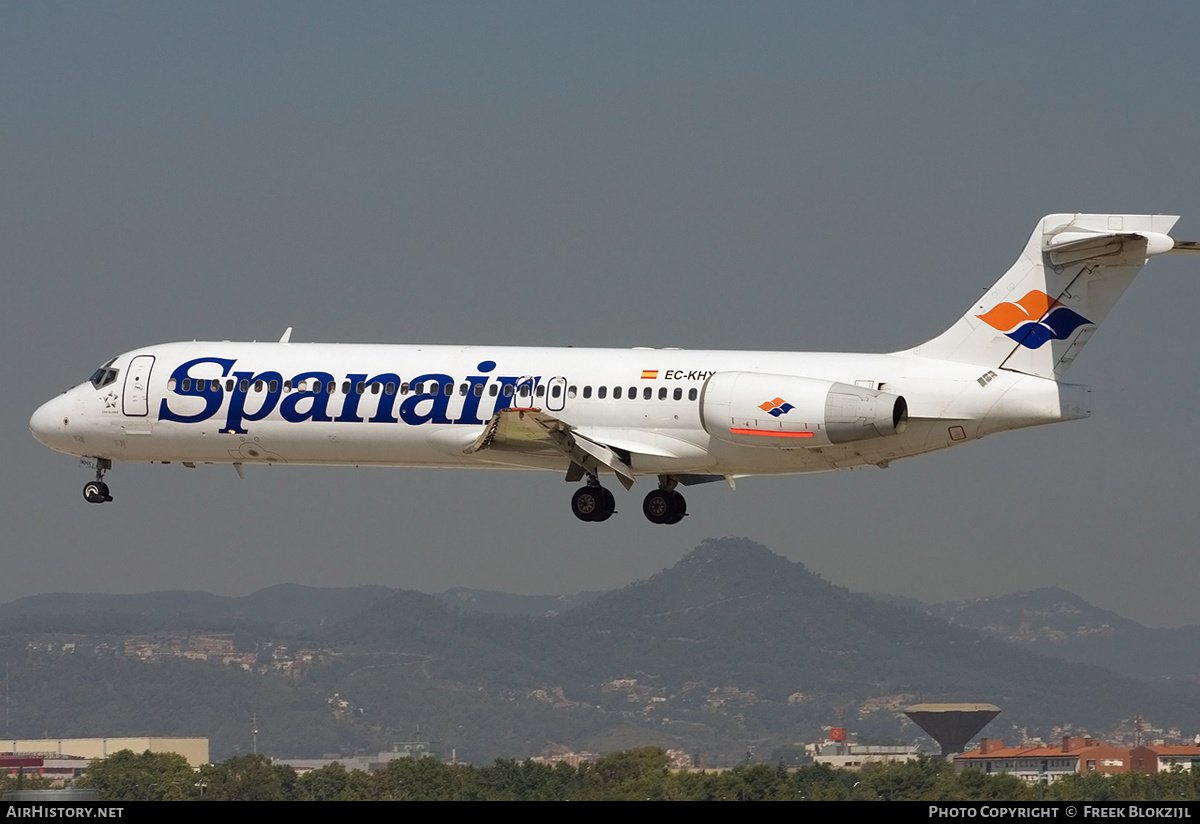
(1034, 320)
(776, 407)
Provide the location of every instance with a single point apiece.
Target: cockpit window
(104, 375)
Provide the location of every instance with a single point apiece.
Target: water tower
(952, 725)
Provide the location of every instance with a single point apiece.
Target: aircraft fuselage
(685, 416)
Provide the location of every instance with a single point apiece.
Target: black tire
(96, 492)
(610, 506)
(587, 503)
(659, 506)
(680, 508)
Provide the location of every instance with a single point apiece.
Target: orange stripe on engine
(771, 433)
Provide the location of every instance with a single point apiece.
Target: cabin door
(135, 395)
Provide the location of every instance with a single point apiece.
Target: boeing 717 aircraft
(679, 417)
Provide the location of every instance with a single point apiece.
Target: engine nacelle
(787, 412)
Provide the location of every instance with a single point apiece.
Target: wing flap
(532, 431)
(518, 430)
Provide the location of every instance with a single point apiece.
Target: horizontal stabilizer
(1076, 246)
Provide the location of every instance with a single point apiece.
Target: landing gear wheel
(96, 492)
(609, 506)
(680, 509)
(660, 507)
(593, 503)
(588, 502)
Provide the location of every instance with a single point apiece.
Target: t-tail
(1038, 317)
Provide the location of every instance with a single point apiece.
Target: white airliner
(679, 416)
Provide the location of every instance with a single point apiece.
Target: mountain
(505, 603)
(291, 607)
(732, 650)
(1055, 622)
(737, 644)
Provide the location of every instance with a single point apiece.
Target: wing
(532, 432)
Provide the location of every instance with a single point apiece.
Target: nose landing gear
(96, 492)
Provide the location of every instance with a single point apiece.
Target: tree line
(638, 774)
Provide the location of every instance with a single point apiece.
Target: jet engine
(789, 412)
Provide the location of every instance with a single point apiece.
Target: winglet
(287, 336)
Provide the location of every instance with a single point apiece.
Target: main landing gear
(664, 506)
(96, 492)
(661, 506)
(593, 502)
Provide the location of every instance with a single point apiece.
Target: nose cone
(49, 423)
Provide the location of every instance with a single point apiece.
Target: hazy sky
(735, 175)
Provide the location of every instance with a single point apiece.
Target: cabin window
(462, 390)
(419, 388)
(273, 387)
(494, 389)
(678, 393)
(692, 394)
(187, 384)
(587, 391)
(540, 391)
(332, 387)
(570, 391)
(360, 387)
(633, 393)
(244, 385)
(404, 387)
(345, 387)
(287, 386)
(662, 393)
(617, 392)
(258, 386)
(375, 387)
(171, 384)
(202, 384)
(479, 390)
(524, 390)
(508, 390)
(390, 389)
(556, 391)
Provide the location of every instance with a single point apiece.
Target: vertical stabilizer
(1037, 318)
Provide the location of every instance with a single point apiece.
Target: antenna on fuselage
(287, 336)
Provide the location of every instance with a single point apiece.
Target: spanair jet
(677, 416)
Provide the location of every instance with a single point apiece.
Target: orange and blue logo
(776, 407)
(1034, 320)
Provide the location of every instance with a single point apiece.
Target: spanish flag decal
(649, 374)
